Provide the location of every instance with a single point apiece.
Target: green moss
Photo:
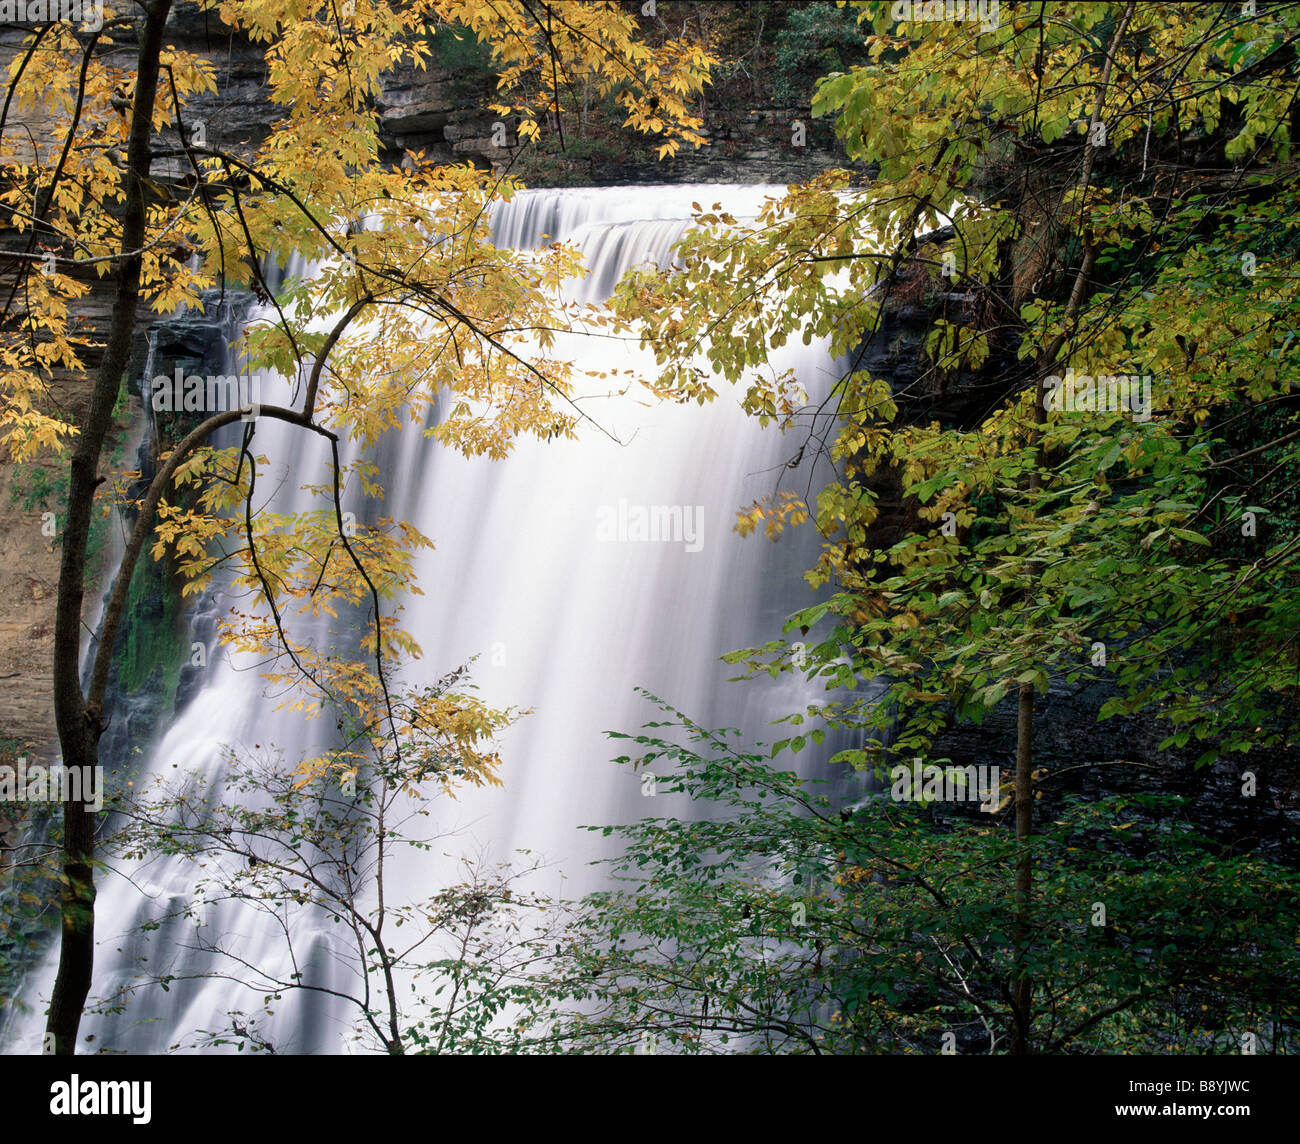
(27, 890)
(150, 643)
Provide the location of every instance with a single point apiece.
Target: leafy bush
(816, 40)
(779, 921)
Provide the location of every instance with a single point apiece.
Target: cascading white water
(567, 618)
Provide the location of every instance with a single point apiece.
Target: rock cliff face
(442, 113)
(1077, 754)
(1122, 756)
(29, 555)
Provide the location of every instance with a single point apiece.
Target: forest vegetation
(1090, 483)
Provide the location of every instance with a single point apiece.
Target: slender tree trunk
(1022, 985)
(1021, 982)
(79, 723)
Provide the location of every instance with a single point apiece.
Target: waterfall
(530, 574)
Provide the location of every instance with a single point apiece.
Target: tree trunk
(1021, 984)
(79, 722)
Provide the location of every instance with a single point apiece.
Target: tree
(449, 310)
(1117, 170)
(780, 920)
(281, 847)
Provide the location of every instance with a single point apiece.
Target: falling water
(566, 621)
